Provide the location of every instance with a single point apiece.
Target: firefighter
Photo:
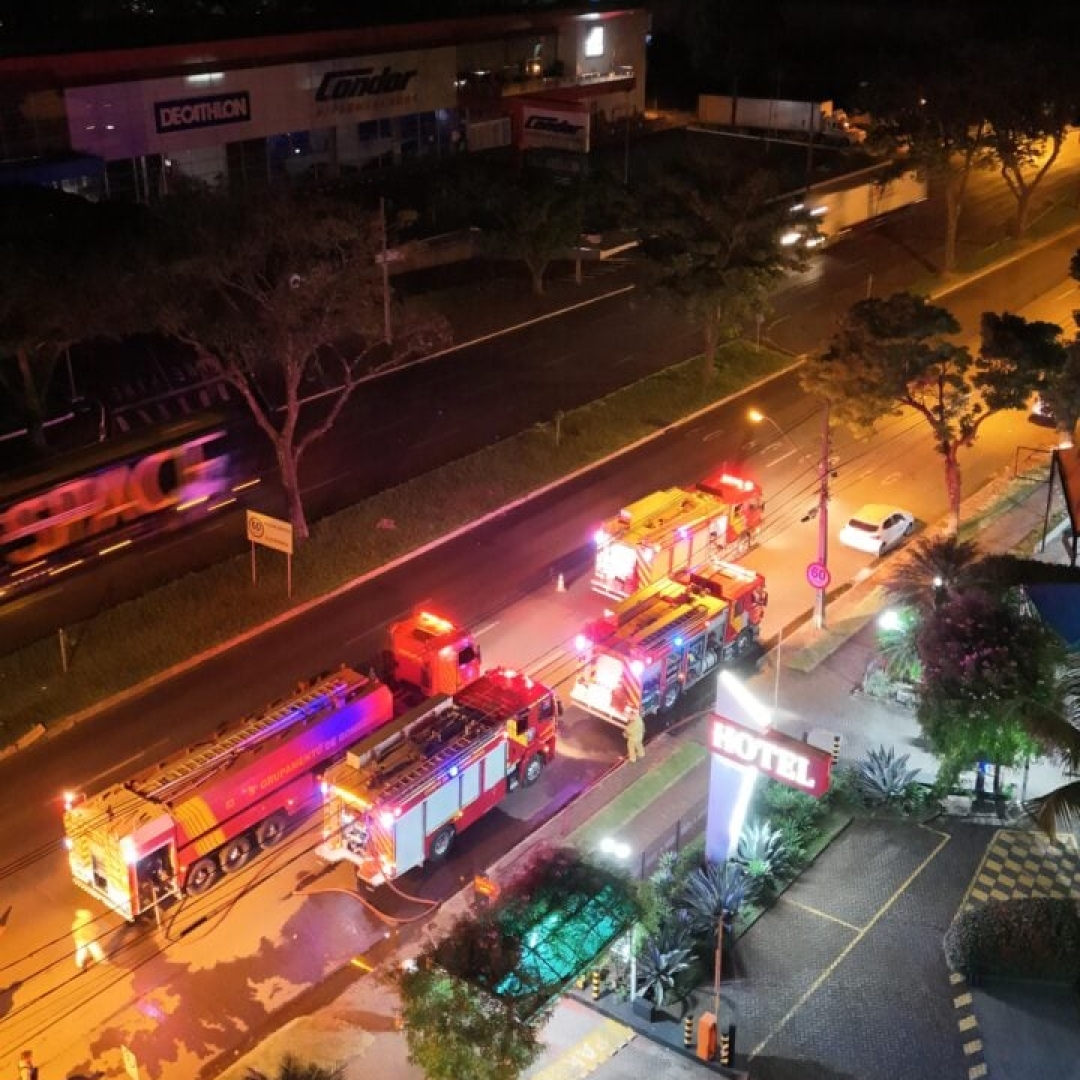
(87, 947)
(27, 1069)
(635, 735)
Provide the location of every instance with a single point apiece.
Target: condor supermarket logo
(202, 112)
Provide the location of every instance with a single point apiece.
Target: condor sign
(555, 126)
(793, 763)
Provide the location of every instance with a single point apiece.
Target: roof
(685, 510)
(653, 615)
(1058, 606)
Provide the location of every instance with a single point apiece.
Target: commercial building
(239, 112)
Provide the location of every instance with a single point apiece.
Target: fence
(684, 832)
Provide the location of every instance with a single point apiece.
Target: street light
(756, 416)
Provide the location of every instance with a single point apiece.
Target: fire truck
(676, 529)
(656, 644)
(404, 792)
(175, 828)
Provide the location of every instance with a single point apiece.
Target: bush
(796, 814)
(663, 957)
(1034, 939)
(762, 854)
(710, 892)
(883, 777)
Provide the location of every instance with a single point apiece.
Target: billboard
(794, 763)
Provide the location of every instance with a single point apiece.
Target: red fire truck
(176, 827)
(404, 792)
(676, 529)
(659, 642)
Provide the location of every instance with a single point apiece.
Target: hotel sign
(202, 112)
(794, 763)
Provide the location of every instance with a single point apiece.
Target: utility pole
(387, 336)
(823, 515)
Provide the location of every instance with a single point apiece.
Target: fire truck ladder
(248, 734)
(454, 749)
(688, 620)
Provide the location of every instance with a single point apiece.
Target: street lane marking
(485, 628)
(120, 764)
(820, 914)
(879, 914)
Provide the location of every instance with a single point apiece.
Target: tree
(1029, 117)
(1051, 364)
(292, 1068)
(941, 127)
(895, 353)
(454, 1029)
(535, 218)
(989, 688)
(276, 293)
(931, 570)
(68, 268)
(713, 240)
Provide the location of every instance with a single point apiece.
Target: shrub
(763, 856)
(843, 788)
(710, 892)
(883, 777)
(1037, 939)
(664, 956)
(795, 813)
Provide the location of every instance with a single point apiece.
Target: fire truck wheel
(201, 877)
(442, 842)
(271, 830)
(237, 854)
(533, 768)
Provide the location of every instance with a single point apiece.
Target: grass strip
(639, 796)
(127, 644)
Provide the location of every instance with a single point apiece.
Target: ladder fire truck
(657, 643)
(676, 529)
(176, 827)
(404, 792)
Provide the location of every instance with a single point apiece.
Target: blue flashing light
(678, 642)
(453, 770)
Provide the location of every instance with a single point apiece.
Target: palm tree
(292, 1068)
(933, 568)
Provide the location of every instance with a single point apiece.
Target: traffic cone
(560, 585)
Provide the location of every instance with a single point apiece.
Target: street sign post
(817, 574)
(272, 533)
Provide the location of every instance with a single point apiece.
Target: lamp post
(756, 416)
(823, 516)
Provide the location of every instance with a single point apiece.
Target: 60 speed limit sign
(818, 575)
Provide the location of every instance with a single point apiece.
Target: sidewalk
(638, 805)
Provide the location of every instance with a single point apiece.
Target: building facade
(128, 123)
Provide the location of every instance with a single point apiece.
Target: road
(188, 991)
(407, 422)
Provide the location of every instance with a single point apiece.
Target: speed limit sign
(818, 575)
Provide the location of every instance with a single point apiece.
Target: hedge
(1022, 939)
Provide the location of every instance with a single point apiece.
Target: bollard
(688, 1031)
(596, 985)
(725, 1048)
(560, 585)
(836, 749)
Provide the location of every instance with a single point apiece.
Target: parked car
(877, 528)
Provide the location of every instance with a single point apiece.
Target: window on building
(594, 42)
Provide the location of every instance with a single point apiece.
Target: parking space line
(820, 914)
(824, 976)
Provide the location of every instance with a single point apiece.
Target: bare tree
(280, 295)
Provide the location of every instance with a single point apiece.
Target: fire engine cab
(404, 793)
(657, 643)
(676, 529)
(431, 654)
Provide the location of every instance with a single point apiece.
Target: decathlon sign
(793, 763)
(202, 112)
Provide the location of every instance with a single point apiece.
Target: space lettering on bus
(88, 506)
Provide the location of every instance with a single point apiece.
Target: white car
(877, 528)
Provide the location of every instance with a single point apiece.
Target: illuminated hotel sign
(212, 110)
(794, 763)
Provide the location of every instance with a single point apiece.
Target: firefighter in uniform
(87, 947)
(635, 735)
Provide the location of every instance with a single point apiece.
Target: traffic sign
(818, 575)
(270, 532)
